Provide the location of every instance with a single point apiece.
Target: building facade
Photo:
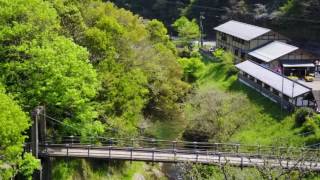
(270, 65)
(276, 87)
(241, 38)
(284, 58)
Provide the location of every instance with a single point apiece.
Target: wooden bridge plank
(173, 156)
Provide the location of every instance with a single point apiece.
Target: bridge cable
(60, 122)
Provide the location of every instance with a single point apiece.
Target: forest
(275, 14)
(103, 70)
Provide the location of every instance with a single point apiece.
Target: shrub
(214, 115)
(302, 114)
(309, 126)
(191, 68)
(232, 71)
(218, 53)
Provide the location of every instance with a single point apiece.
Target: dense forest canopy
(99, 69)
(289, 17)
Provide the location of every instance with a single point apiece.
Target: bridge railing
(231, 149)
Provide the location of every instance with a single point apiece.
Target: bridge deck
(173, 156)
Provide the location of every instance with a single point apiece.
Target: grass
(271, 124)
(101, 170)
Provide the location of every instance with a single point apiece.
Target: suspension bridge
(154, 150)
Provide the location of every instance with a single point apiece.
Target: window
(243, 55)
(251, 78)
(275, 92)
(259, 82)
(285, 97)
(238, 40)
(236, 52)
(223, 37)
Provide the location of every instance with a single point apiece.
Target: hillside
(270, 125)
(97, 73)
(279, 15)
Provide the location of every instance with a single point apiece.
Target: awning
(295, 65)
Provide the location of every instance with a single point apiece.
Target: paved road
(207, 43)
(178, 156)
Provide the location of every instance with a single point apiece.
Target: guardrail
(231, 149)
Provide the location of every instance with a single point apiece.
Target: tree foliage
(97, 68)
(159, 34)
(275, 14)
(41, 67)
(14, 122)
(191, 67)
(214, 115)
(133, 58)
(187, 30)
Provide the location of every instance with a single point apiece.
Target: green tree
(214, 115)
(136, 64)
(24, 22)
(191, 67)
(159, 34)
(14, 122)
(122, 97)
(41, 67)
(187, 30)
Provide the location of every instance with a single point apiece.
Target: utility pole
(201, 28)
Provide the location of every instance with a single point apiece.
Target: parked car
(308, 78)
(212, 49)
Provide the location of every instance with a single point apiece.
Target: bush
(309, 126)
(218, 53)
(191, 68)
(232, 71)
(302, 114)
(214, 115)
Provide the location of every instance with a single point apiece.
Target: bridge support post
(36, 116)
(153, 149)
(131, 154)
(47, 166)
(241, 162)
(109, 149)
(88, 150)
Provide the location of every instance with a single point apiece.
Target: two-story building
(265, 59)
(284, 58)
(241, 38)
